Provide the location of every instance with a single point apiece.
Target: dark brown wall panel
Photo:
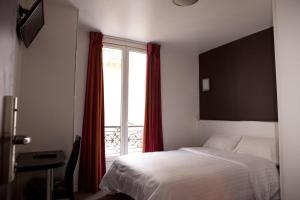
(242, 80)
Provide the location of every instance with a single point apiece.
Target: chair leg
(72, 197)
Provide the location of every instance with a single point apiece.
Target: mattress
(192, 174)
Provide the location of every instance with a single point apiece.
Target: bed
(192, 174)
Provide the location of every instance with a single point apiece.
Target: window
(124, 92)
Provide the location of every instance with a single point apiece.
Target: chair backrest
(68, 182)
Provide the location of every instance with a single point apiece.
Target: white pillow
(223, 142)
(258, 146)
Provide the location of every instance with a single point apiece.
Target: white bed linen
(192, 174)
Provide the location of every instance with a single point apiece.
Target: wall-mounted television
(30, 22)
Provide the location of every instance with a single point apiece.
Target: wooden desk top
(42, 160)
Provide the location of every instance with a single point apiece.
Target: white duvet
(192, 174)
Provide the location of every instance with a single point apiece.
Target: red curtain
(92, 156)
(153, 137)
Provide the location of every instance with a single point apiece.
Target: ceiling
(203, 26)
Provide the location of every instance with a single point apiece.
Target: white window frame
(125, 46)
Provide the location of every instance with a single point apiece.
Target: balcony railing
(113, 140)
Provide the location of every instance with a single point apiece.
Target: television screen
(32, 23)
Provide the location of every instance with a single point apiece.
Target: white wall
(179, 88)
(287, 50)
(47, 82)
(80, 78)
(10, 52)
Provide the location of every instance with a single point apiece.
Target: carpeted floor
(116, 197)
(83, 196)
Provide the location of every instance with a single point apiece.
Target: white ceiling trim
(124, 42)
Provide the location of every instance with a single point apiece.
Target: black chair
(64, 189)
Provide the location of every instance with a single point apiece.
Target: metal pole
(49, 183)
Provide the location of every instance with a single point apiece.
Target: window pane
(136, 100)
(112, 68)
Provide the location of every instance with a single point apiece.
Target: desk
(43, 160)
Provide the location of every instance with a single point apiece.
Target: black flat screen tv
(30, 25)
